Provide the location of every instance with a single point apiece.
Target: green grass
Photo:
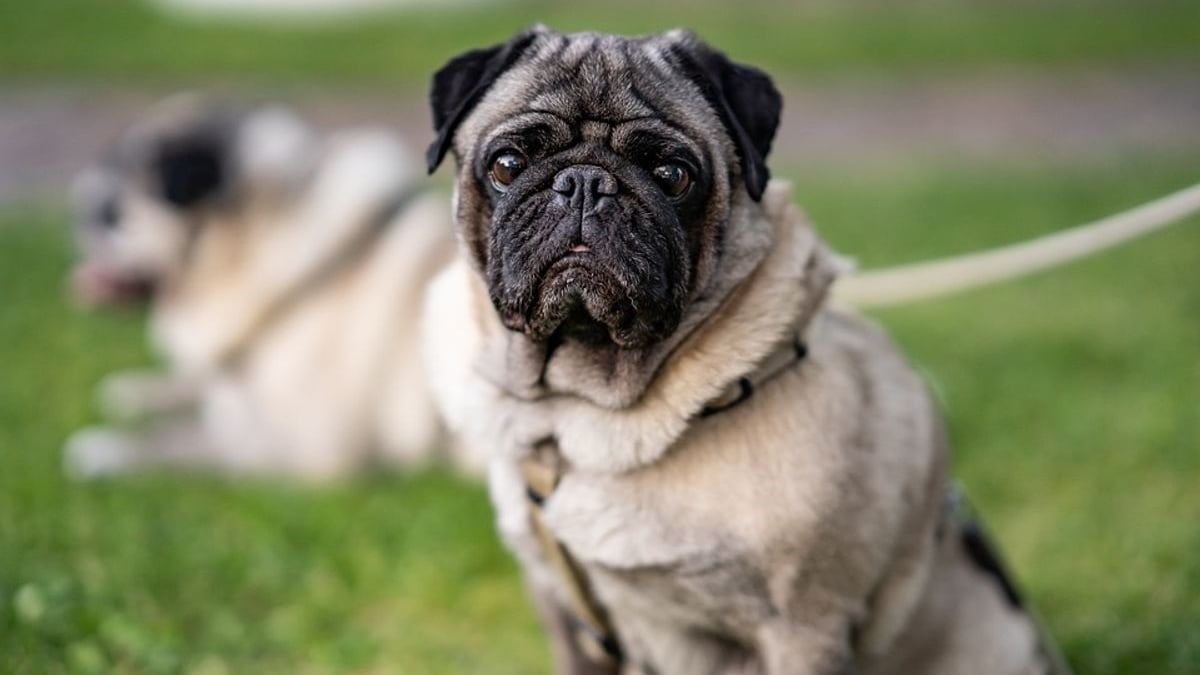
(1072, 400)
(104, 41)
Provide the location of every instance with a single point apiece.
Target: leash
(355, 246)
(920, 281)
(593, 631)
(543, 469)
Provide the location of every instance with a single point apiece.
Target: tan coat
(798, 532)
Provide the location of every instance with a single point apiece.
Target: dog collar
(743, 388)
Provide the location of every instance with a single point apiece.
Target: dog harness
(543, 469)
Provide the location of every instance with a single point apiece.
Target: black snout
(588, 253)
(584, 186)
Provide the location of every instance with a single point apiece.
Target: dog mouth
(579, 324)
(578, 297)
(607, 279)
(98, 285)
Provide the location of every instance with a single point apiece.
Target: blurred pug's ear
(462, 82)
(744, 98)
(190, 170)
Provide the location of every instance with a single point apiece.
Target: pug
(283, 270)
(702, 465)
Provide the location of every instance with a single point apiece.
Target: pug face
(597, 175)
(132, 219)
(141, 207)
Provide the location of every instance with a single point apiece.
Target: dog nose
(585, 185)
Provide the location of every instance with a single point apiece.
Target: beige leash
(593, 632)
(920, 281)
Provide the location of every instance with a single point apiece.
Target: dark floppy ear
(746, 100)
(190, 170)
(459, 85)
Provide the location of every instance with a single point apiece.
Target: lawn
(1072, 399)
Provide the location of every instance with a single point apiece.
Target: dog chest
(693, 535)
(647, 558)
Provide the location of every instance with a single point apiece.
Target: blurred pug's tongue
(95, 285)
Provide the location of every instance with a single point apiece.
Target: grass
(104, 41)
(1072, 400)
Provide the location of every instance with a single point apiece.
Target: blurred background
(911, 129)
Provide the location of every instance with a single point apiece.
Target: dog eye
(673, 179)
(109, 213)
(506, 168)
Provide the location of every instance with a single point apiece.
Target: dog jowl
(594, 202)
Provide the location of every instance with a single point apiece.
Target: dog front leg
(100, 452)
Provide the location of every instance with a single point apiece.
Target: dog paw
(96, 453)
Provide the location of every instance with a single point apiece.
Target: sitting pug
(701, 465)
(284, 272)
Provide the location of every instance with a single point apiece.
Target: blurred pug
(702, 466)
(283, 271)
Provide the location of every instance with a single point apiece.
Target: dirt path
(48, 132)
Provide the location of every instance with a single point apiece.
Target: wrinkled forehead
(598, 77)
(124, 164)
(585, 78)
(94, 186)
(129, 153)
(133, 155)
